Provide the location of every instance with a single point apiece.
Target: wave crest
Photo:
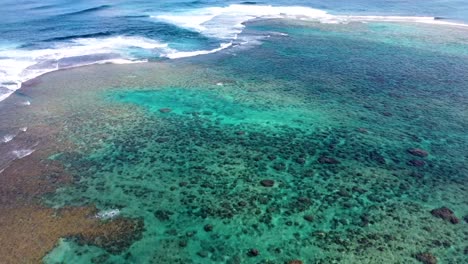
(20, 65)
(228, 22)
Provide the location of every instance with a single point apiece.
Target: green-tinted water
(327, 113)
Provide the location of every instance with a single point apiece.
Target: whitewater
(221, 25)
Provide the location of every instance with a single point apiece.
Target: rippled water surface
(303, 141)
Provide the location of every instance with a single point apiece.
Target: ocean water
(256, 132)
(38, 37)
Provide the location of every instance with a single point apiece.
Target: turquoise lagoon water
(325, 112)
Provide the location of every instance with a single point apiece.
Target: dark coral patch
(446, 214)
(417, 163)
(426, 258)
(267, 183)
(327, 160)
(253, 252)
(418, 152)
(165, 110)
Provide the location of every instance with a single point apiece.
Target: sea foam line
(174, 54)
(21, 153)
(19, 65)
(228, 22)
(8, 138)
(14, 154)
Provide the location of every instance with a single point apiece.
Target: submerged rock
(296, 261)
(362, 130)
(304, 200)
(279, 166)
(271, 157)
(165, 110)
(163, 215)
(242, 203)
(446, 214)
(359, 190)
(253, 252)
(301, 161)
(417, 152)
(267, 183)
(343, 193)
(376, 156)
(208, 228)
(162, 139)
(203, 253)
(182, 243)
(417, 163)
(426, 258)
(309, 218)
(327, 160)
(114, 238)
(365, 220)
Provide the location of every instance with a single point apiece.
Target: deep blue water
(42, 36)
(37, 23)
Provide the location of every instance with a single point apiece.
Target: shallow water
(327, 112)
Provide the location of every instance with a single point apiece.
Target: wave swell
(222, 24)
(88, 10)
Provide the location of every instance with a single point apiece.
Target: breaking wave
(228, 22)
(223, 24)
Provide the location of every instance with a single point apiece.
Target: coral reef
(341, 162)
(446, 214)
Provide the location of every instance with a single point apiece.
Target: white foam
(108, 214)
(15, 150)
(228, 22)
(24, 129)
(22, 153)
(113, 43)
(20, 65)
(174, 54)
(6, 95)
(7, 138)
(407, 19)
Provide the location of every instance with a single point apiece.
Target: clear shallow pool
(301, 148)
